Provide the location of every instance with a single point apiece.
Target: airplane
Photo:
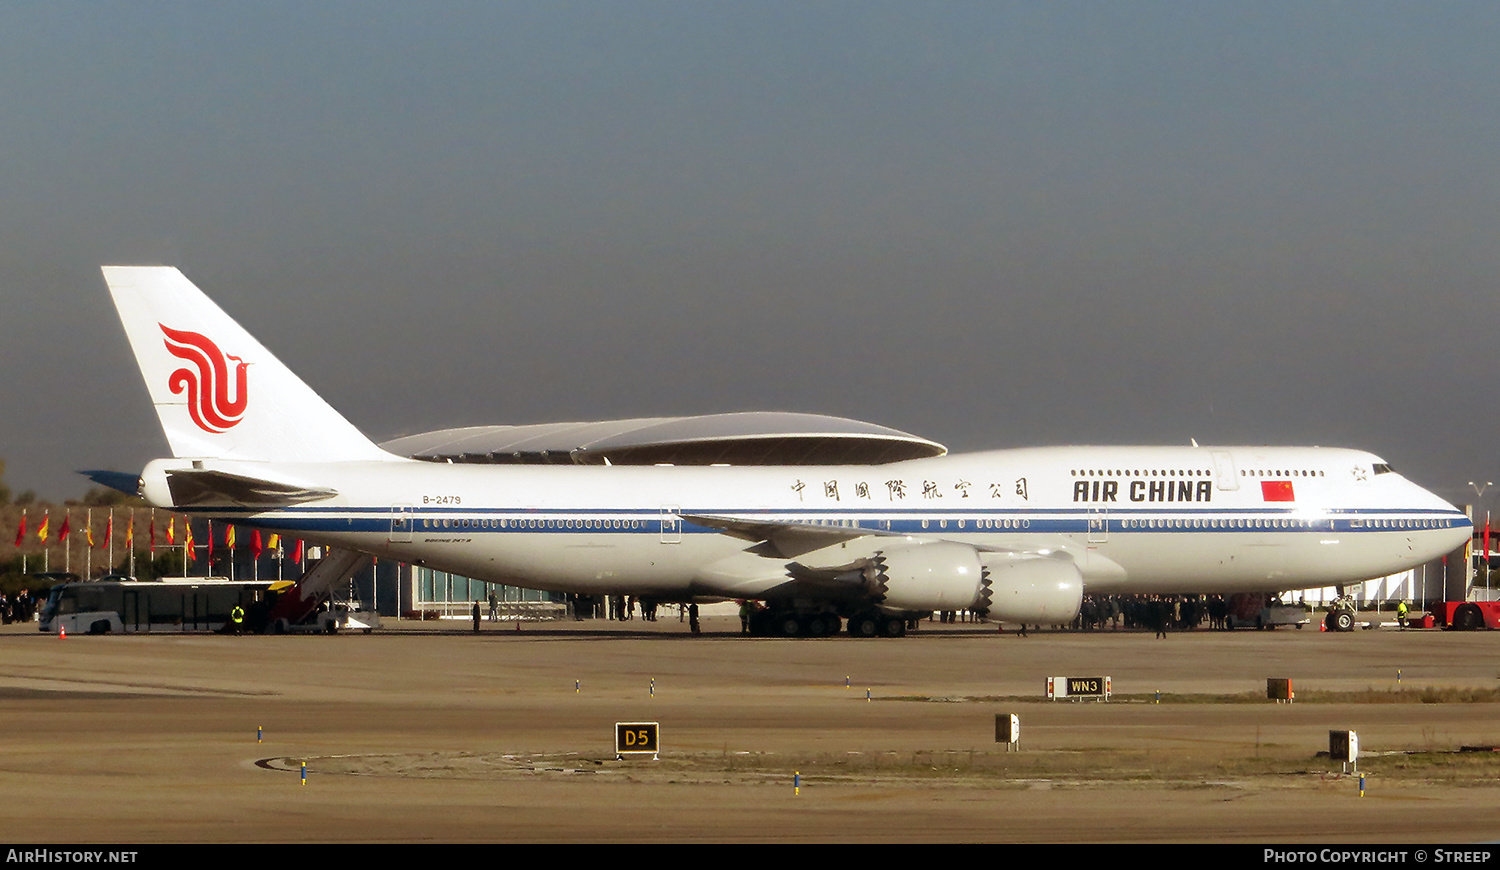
(1016, 534)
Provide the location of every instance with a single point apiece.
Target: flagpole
(88, 573)
(130, 541)
(111, 537)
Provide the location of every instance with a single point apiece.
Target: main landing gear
(786, 622)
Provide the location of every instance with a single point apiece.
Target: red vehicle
(1467, 615)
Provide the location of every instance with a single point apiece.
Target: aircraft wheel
(789, 625)
(835, 625)
(815, 626)
(863, 625)
(893, 626)
(1342, 620)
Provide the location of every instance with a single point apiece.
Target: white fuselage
(1134, 519)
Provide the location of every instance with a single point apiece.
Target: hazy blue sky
(989, 224)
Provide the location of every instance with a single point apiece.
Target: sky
(989, 224)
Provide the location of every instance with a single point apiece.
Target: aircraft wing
(783, 539)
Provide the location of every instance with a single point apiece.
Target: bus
(122, 605)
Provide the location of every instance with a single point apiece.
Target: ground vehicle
(187, 604)
(1467, 615)
(331, 619)
(1270, 614)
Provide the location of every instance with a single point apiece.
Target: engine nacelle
(941, 575)
(1038, 591)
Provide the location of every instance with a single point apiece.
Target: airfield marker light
(796, 782)
(653, 687)
(847, 683)
(1398, 676)
(578, 687)
(260, 733)
(303, 779)
(1158, 696)
(1361, 785)
(867, 695)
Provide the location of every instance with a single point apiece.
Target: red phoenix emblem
(207, 383)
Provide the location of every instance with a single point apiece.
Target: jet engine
(1034, 590)
(940, 575)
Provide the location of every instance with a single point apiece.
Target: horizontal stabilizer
(130, 484)
(205, 488)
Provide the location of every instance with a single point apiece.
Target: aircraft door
(671, 524)
(1225, 476)
(401, 524)
(1098, 526)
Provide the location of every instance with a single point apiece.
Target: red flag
(255, 543)
(1276, 490)
(1486, 542)
(67, 526)
(151, 528)
(109, 529)
(21, 532)
(229, 540)
(297, 553)
(130, 531)
(210, 546)
(171, 531)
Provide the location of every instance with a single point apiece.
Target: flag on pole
(210, 546)
(130, 531)
(187, 540)
(229, 539)
(151, 530)
(42, 530)
(297, 552)
(109, 529)
(67, 526)
(21, 531)
(273, 542)
(88, 530)
(255, 548)
(171, 531)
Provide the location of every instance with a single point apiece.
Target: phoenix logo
(207, 382)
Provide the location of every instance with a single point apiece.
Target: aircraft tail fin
(218, 392)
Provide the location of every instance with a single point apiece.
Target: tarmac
(432, 733)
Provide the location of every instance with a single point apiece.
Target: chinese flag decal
(1277, 490)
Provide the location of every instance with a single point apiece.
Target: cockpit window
(1383, 468)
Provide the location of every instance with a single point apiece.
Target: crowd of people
(20, 607)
